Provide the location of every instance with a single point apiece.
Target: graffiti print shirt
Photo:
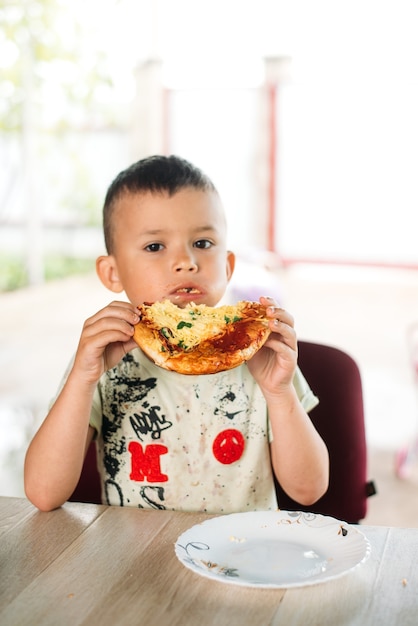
(189, 443)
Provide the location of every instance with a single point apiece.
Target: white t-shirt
(187, 443)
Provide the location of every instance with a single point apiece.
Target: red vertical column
(272, 167)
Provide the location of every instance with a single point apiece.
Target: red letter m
(146, 463)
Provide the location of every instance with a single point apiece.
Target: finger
(129, 345)
(268, 301)
(280, 314)
(115, 310)
(283, 332)
(109, 329)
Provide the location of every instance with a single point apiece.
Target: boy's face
(169, 247)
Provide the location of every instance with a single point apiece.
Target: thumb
(129, 345)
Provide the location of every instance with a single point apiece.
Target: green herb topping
(183, 324)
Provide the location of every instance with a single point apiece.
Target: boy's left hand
(274, 365)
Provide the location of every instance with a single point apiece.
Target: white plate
(276, 549)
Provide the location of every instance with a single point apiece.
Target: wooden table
(88, 564)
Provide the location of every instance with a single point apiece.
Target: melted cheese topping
(187, 327)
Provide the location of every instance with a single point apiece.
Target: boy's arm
(299, 455)
(54, 459)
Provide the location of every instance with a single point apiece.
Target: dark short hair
(156, 174)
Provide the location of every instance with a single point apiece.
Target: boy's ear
(230, 264)
(107, 271)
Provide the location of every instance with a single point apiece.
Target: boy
(165, 440)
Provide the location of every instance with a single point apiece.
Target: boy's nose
(184, 260)
(186, 265)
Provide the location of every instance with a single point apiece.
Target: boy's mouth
(188, 293)
(187, 290)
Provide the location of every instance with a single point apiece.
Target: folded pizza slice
(198, 339)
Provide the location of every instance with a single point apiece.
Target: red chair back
(334, 377)
(88, 488)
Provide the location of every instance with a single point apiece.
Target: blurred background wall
(303, 113)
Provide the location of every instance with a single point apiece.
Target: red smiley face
(228, 446)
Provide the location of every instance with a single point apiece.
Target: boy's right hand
(105, 339)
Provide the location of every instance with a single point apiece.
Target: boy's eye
(203, 243)
(154, 247)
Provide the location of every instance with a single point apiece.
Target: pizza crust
(198, 339)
